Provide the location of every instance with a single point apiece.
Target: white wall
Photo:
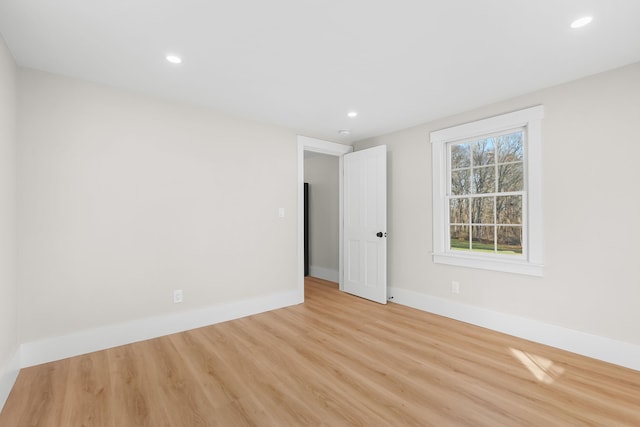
(321, 172)
(125, 198)
(591, 208)
(8, 283)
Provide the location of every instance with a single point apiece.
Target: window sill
(507, 266)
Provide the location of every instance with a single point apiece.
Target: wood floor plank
(173, 384)
(134, 401)
(336, 360)
(38, 396)
(89, 388)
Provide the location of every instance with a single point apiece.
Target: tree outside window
(486, 194)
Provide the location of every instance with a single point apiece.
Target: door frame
(306, 143)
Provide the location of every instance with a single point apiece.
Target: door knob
(380, 234)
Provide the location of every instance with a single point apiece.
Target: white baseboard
(87, 341)
(606, 349)
(8, 377)
(324, 273)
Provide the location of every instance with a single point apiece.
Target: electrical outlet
(455, 287)
(177, 296)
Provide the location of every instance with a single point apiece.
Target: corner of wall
(9, 351)
(8, 377)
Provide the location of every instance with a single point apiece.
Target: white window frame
(531, 262)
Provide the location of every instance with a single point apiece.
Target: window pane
(509, 209)
(482, 210)
(510, 147)
(459, 211)
(510, 177)
(460, 183)
(460, 156)
(510, 240)
(459, 237)
(484, 180)
(483, 152)
(482, 238)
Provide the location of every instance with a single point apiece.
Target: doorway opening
(309, 146)
(321, 183)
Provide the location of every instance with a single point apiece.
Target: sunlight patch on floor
(543, 369)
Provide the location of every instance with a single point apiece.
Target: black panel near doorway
(306, 229)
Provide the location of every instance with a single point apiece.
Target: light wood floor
(334, 360)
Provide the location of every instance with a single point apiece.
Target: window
(486, 193)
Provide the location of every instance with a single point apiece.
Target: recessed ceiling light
(344, 131)
(581, 22)
(174, 59)
(352, 114)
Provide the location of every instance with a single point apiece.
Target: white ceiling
(304, 64)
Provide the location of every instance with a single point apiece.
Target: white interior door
(365, 224)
